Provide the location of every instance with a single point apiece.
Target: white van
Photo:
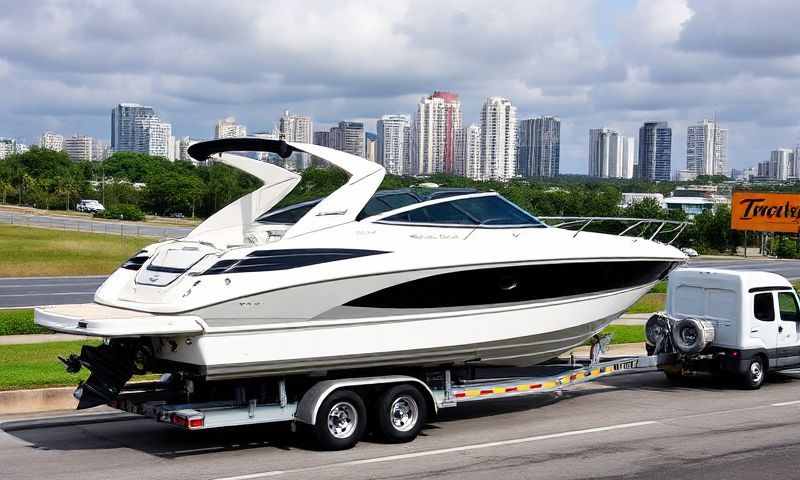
(723, 321)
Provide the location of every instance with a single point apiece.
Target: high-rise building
(228, 128)
(393, 143)
(79, 148)
(610, 154)
(22, 148)
(437, 120)
(8, 146)
(155, 136)
(322, 138)
(100, 150)
(707, 149)
(628, 157)
(539, 147)
(781, 164)
(126, 127)
(498, 139)
(468, 152)
(182, 149)
(52, 141)
(655, 151)
(348, 137)
(297, 128)
(370, 149)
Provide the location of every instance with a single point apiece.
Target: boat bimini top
(230, 225)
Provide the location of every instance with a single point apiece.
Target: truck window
(764, 307)
(788, 307)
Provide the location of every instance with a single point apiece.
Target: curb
(37, 400)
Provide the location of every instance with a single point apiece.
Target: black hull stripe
(515, 284)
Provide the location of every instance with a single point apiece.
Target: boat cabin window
(384, 203)
(479, 211)
(287, 216)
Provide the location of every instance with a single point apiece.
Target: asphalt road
(22, 292)
(33, 291)
(84, 224)
(634, 426)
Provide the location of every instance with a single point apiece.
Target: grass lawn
(626, 333)
(651, 302)
(36, 365)
(18, 322)
(30, 252)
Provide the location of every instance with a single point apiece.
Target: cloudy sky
(65, 64)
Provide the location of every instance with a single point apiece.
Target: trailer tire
(341, 421)
(400, 414)
(756, 372)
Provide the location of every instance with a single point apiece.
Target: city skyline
(614, 64)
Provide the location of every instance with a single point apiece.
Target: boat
(359, 279)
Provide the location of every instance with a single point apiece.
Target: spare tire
(656, 329)
(692, 335)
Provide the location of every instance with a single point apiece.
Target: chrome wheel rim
(404, 413)
(756, 372)
(342, 420)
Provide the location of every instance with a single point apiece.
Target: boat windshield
(491, 210)
(381, 202)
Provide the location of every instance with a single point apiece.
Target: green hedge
(18, 322)
(122, 211)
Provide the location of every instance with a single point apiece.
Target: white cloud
(64, 64)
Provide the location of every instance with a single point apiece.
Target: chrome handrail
(676, 226)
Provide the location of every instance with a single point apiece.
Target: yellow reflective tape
(549, 385)
(523, 388)
(473, 393)
(499, 389)
(596, 371)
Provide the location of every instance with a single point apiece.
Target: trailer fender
(309, 404)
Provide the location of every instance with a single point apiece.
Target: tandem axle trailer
(336, 409)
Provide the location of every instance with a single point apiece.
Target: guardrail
(87, 225)
(640, 225)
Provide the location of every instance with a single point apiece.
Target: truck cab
(751, 322)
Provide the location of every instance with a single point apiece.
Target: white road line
(34, 285)
(784, 404)
(441, 451)
(58, 277)
(44, 294)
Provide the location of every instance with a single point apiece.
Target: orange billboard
(765, 212)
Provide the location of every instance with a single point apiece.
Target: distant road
(84, 224)
(788, 268)
(24, 292)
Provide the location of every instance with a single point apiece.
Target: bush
(122, 211)
(18, 322)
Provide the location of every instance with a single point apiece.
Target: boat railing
(643, 227)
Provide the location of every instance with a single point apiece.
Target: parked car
(690, 252)
(176, 215)
(90, 206)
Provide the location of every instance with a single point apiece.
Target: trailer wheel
(341, 421)
(401, 413)
(756, 372)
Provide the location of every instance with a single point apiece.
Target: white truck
(724, 322)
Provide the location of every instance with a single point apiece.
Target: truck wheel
(756, 372)
(341, 421)
(401, 413)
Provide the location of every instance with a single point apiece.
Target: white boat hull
(520, 335)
